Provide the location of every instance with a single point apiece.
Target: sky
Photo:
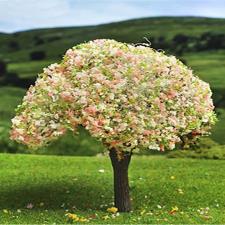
(17, 15)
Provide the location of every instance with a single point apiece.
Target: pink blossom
(147, 132)
(91, 110)
(119, 53)
(78, 61)
(171, 94)
(66, 96)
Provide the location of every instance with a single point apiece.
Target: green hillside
(56, 40)
(210, 65)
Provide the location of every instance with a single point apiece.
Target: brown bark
(121, 183)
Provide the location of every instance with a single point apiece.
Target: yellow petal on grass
(105, 217)
(174, 210)
(180, 191)
(72, 216)
(83, 220)
(75, 218)
(143, 212)
(112, 210)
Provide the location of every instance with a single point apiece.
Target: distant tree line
(181, 43)
(178, 45)
(37, 55)
(11, 78)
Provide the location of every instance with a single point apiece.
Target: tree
(37, 55)
(38, 40)
(14, 45)
(209, 40)
(179, 43)
(131, 98)
(3, 67)
(180, 39)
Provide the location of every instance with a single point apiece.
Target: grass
(29, 69)
(219, 129)
(10, 98)
(210, 66)
(58, 185)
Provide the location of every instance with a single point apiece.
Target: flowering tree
(130, 98)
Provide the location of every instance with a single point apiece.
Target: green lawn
(29, 69)
(58, 185)
(209, 66)
(219, 129)
(10, 98)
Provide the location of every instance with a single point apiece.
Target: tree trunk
(121, 183)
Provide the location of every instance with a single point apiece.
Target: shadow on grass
(56, 195)
(84, 195)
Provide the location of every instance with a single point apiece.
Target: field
(163, 190)
(209, 66)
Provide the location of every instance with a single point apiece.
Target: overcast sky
(16, 15)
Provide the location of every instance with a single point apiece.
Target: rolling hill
(56, 40)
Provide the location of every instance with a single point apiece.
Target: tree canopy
(130, 97)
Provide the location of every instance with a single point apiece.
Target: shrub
(37, 55)
(3, 67)
(211, 153)
(206, 148)
(38, 40)
(14, 45)
(180, 39)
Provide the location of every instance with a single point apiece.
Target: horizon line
(108, 23)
